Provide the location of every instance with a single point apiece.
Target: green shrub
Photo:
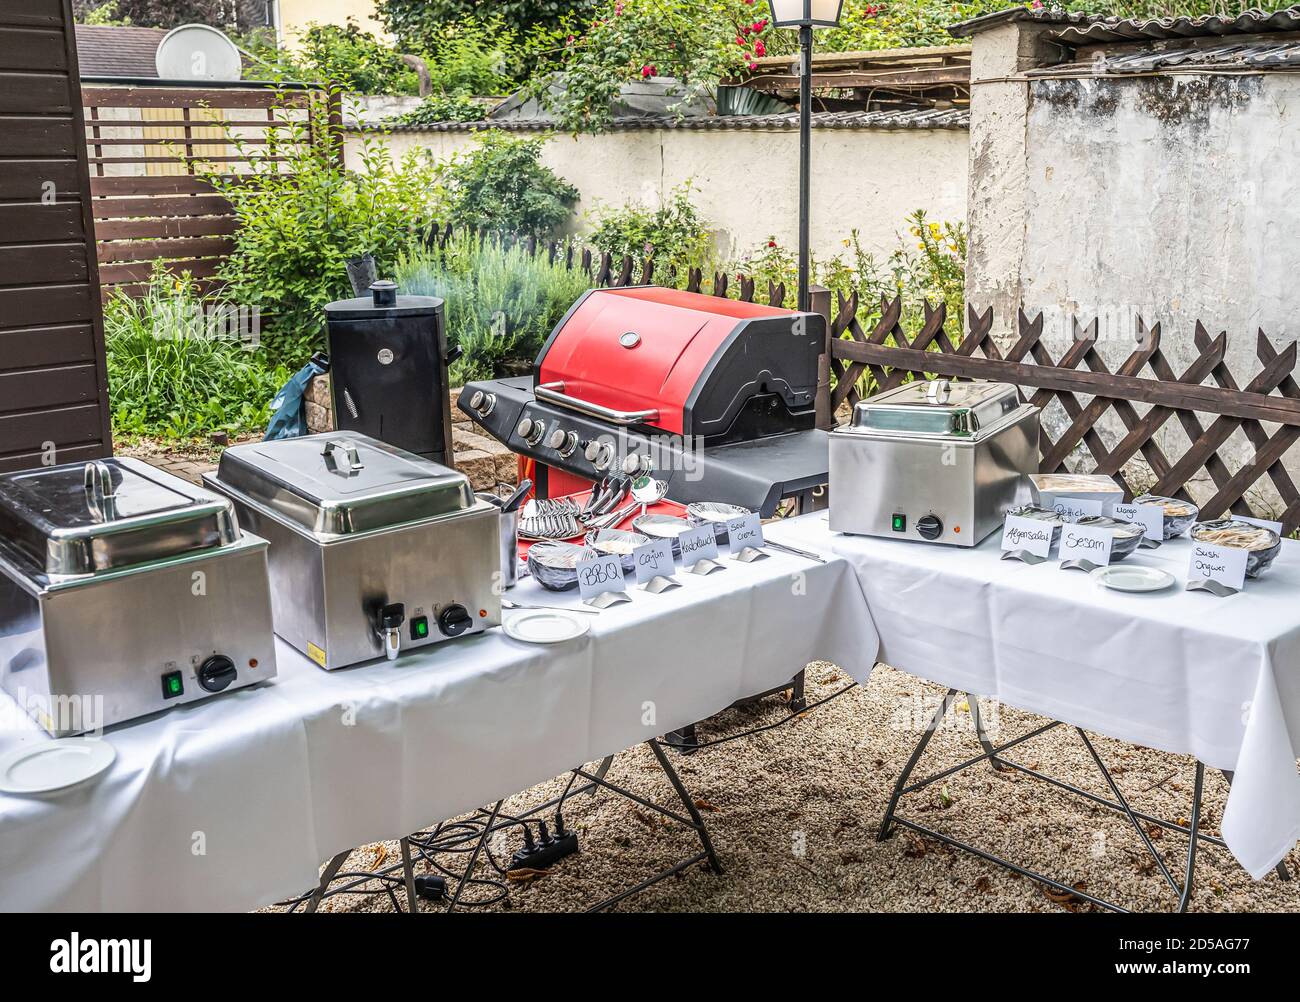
(501, 302)
(354, 60)
(502, 186)
(928, 265)
(176, 370)
(301, 220)
(472, 57)
(443, 108)
(674, 234)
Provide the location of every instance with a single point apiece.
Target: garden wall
(746, 178)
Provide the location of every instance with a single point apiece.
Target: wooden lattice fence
(1266, 408)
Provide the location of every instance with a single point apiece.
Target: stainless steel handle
(349, 449)
(100, 497)
(554, 393)
(937, 391)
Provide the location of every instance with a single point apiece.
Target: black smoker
(388, 364)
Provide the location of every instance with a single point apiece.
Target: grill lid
(340, 483)
(86, 518)
(937, 408)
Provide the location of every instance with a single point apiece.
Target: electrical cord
(696, 746)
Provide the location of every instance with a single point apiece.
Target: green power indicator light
(420, 628)
(900, 523)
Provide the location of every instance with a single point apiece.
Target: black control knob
(454, 620)
(217, 673)
(929, 526)
(391, 617)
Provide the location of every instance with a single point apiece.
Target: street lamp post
(805, 15)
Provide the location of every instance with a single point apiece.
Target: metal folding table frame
(994, 756)
(491, 823)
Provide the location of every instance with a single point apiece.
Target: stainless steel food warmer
(935, 460)
(373, 550)
(125, 590)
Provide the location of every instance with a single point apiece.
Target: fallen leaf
(704, 805)
(1155, 832)
(984, 885)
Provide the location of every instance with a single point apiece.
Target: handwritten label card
(747, 530)
(653, 559)
(1073, 509)
(1087, 542)
(1150, 516)
(1028, 535)
(698, 544)
(1223, 564)
(598, 575)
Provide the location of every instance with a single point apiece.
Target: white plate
(545, 626)
(54, 765)
(1133, 577)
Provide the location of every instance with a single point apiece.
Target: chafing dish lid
(84, 518)
(340, 483)
(936, 408)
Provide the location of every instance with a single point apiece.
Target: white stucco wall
(746, 182)
(1176, 197)
(1169, 196)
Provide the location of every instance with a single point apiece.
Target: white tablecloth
(234, 802)
(1181, 671)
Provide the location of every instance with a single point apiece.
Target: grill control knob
(599, 455)
(563, 442)
(217, 673)
(524, 428)
(631, 463)
(646, 465)
(482, 402)
(454, 620)
(476, 399)
(929, 526)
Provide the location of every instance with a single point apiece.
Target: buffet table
(235, 802)
(1184, 672)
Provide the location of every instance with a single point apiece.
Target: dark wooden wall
(53, 385)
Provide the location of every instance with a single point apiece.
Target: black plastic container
(388, 364)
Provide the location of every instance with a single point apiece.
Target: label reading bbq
(597, 575)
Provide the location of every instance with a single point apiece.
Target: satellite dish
(197, 52)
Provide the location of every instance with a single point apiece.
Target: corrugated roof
(111, 51)
(1074, 28)
(1233, 56)
(920, 118)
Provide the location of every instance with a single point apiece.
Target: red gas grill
(714, 396)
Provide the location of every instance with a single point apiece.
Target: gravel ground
(794, 814)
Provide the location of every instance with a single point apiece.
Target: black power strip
(544, 853)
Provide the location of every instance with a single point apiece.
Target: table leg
(798, 701)
(974, 704)
(408, 875)
(331, 868)
(685, 740)
(688, 802)
(1188, 877)
(888, 823)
